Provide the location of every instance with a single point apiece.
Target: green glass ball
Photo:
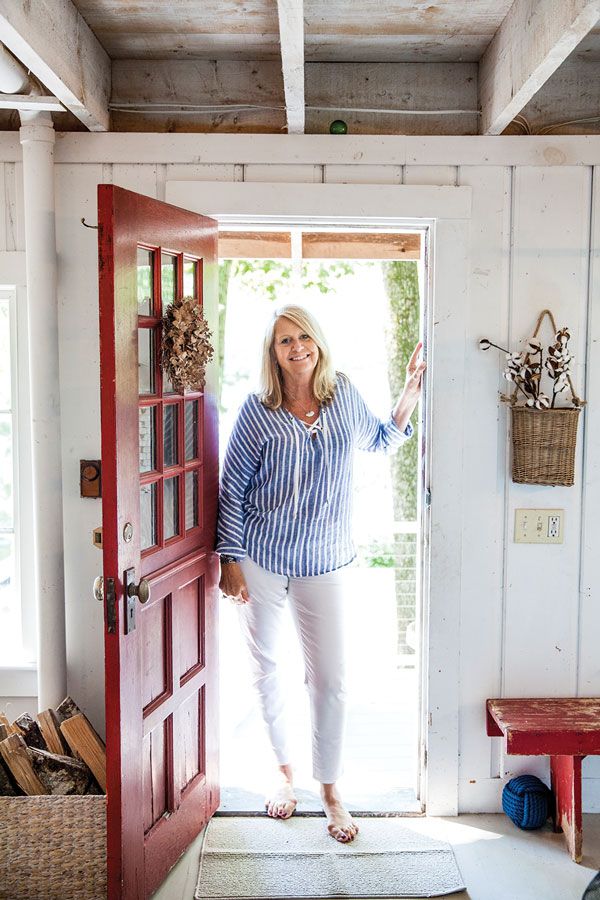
(338, 127)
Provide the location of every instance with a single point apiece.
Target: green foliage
(320, 275)
(378, 555)
(402, 286)
(267, 277)
(272, 277)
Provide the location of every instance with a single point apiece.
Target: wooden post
(566, 784)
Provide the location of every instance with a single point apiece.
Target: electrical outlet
(539, 526)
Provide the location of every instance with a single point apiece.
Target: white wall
(526, 619)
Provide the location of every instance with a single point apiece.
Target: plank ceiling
(383, 66)
(351, 31)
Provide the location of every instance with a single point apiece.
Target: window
(17, 612)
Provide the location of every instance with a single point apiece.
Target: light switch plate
(539, 526)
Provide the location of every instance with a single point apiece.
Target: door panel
(159, 478)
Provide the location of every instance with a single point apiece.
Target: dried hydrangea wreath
(525, 371)
(186, 346)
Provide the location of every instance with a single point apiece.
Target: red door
(159, 498)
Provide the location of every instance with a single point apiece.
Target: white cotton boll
(530, 402)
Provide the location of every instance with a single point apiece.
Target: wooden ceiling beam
(54, 42)
(360, 245)
(319, 245)
(534, 39)
(291, 31)
(255, 245)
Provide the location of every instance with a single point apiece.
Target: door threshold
(315, 814)
(239, 802)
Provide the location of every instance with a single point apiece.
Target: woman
(284, 531)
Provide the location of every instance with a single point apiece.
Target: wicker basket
(53, 847)
(544, 445)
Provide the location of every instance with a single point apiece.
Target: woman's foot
(340, 823)
(281, 802)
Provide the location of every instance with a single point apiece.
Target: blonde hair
(271, 382)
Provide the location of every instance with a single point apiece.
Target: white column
(37, 139)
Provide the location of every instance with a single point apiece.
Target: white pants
(317, 608)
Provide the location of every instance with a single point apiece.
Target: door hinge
(427, 496)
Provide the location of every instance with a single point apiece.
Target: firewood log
(31, 732)
(60, 774)
(50, 728)
(87, 744)
(16, 756)
(66, 709)
(8, 786)
(12, 729)
(4, 732)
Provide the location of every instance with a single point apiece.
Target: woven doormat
(250, 858)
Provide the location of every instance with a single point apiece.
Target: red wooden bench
(566, 730)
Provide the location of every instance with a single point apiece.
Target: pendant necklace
(309, 413)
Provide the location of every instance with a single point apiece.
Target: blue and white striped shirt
(286, 496)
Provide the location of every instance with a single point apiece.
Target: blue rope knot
(527, 801)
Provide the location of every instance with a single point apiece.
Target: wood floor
(497, 861)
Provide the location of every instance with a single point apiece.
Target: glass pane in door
(191, 430)
(145, 281)
(190, 269)
(171, 507)
(168, 279)
(191, 499)
(147, 438)
(146, 360)
(148, 515)
(170, 435)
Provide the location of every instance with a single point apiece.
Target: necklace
(309, 413)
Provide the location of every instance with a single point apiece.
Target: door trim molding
(446, 212)
(258, 202)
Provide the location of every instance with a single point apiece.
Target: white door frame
(446, 211)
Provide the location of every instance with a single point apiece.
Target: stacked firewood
(57, 753)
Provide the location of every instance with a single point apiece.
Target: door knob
(99, 588)
(141, 590)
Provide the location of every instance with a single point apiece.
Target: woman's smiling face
(295, 351)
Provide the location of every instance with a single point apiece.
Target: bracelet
(226, 558)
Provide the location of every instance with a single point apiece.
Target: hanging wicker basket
(544, 440)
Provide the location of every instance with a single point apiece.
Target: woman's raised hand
(414, 374)
(233, 583)
(412, 389)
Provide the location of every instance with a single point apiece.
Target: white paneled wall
(513, 619)
(12, 228)
(77, 291)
